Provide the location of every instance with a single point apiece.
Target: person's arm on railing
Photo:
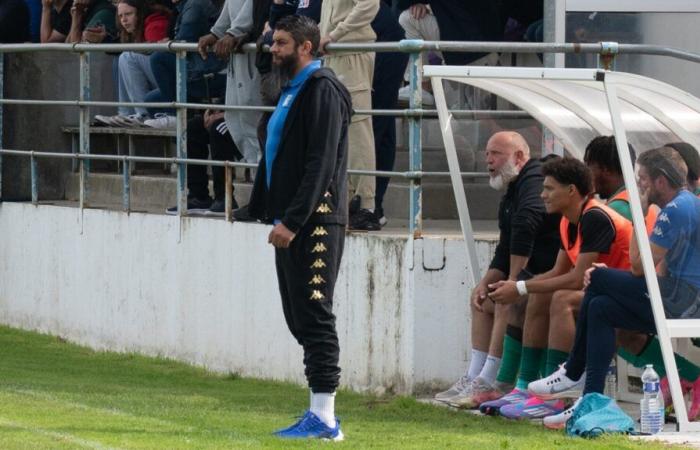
(77, 14)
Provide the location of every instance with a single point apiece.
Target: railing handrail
(406, 45)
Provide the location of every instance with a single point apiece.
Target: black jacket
(526, 228)
(309, 174)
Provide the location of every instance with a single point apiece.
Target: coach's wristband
(521, 287)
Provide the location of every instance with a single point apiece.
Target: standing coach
(301, 188)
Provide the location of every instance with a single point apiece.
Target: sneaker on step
(161, 121)
(405, 96)
(493, 407)
(242, 215)
(381, 218)
(557, 385)
(311, 427)
(558, 421)
(218, 207)
(364, 220)
(694, 410)
(533, 408)
(455, 389)
(481, 391)
(194, 206)
(130, 121)
(105, 121)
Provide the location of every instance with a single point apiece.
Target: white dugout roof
(578, 105)
(576, 109)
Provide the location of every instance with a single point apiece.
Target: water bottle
(611, 379)
(652, 404)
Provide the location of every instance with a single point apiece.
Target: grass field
(55, 395)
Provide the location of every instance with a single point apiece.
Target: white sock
(490, 369)
(476, 363)
(323, 405)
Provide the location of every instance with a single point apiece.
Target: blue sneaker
(310, 426)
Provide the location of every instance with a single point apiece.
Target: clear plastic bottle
(611, 379)
(652, 404)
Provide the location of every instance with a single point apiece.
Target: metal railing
(606, 50)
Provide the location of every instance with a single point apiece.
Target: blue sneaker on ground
(311, 427)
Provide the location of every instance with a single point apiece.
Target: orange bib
(619, 256)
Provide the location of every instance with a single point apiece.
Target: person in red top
(136, 23)
(590, 233)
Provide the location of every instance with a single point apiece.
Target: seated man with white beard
(528, 245)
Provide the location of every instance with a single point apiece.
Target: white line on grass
(56, 435)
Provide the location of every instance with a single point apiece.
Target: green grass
(56, 395)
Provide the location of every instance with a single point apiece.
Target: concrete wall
(209, 296)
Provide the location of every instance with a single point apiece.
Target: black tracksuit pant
(199, 140)
(307, 272)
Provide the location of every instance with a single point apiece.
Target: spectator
(449, 20)
(389, 69)
(194, 19)
(527, 246)
(349, 21)
(619, 299)
(692, 160)
(55, 20)
(14, 21)
(92, 21)
(35, 8)
(136, 23)
(204, 133)
(233, 29)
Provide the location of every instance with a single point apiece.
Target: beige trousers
(356, 71)
(425, 28)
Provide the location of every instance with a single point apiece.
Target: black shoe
(194, 206)
(354, 205)
(364, 220)
(218, 208)
(241, 215)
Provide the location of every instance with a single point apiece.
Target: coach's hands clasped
(503, 292)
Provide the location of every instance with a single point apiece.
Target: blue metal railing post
(33, 170)
(2, 87)
(181, 131)
(126, 167)
(415, 219)
(84, 138)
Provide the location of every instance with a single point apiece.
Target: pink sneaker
(533, 408)
(694, 410)
(493, 407)
(686, 387)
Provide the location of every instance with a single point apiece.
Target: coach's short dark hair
(666, 162)
(569, 170)
(302, 29)
(602, 151)
(691, 158)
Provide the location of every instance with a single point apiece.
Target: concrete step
(158, 192)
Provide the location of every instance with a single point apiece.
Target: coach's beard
(507, 173)
(289, 64)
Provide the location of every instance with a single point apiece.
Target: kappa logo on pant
(318, 264)
(323, 208)
(319, 248)
(317, 295)
(316, 280)
(319, 231)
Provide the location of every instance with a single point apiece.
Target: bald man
(528, 245)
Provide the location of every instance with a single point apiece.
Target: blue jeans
(135, 80)
(617, 299)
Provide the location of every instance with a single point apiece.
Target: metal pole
(554, 30)
(646, 257)
(415, 220)
(181, 131)
(228, 209)
(84, 138)
(126, 172)
(34, 179)
(2, 87)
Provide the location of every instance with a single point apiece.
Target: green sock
(652, 355)
(529, 366)
(543, 365)
(554, 359)
(627, 356)
(510, 362)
